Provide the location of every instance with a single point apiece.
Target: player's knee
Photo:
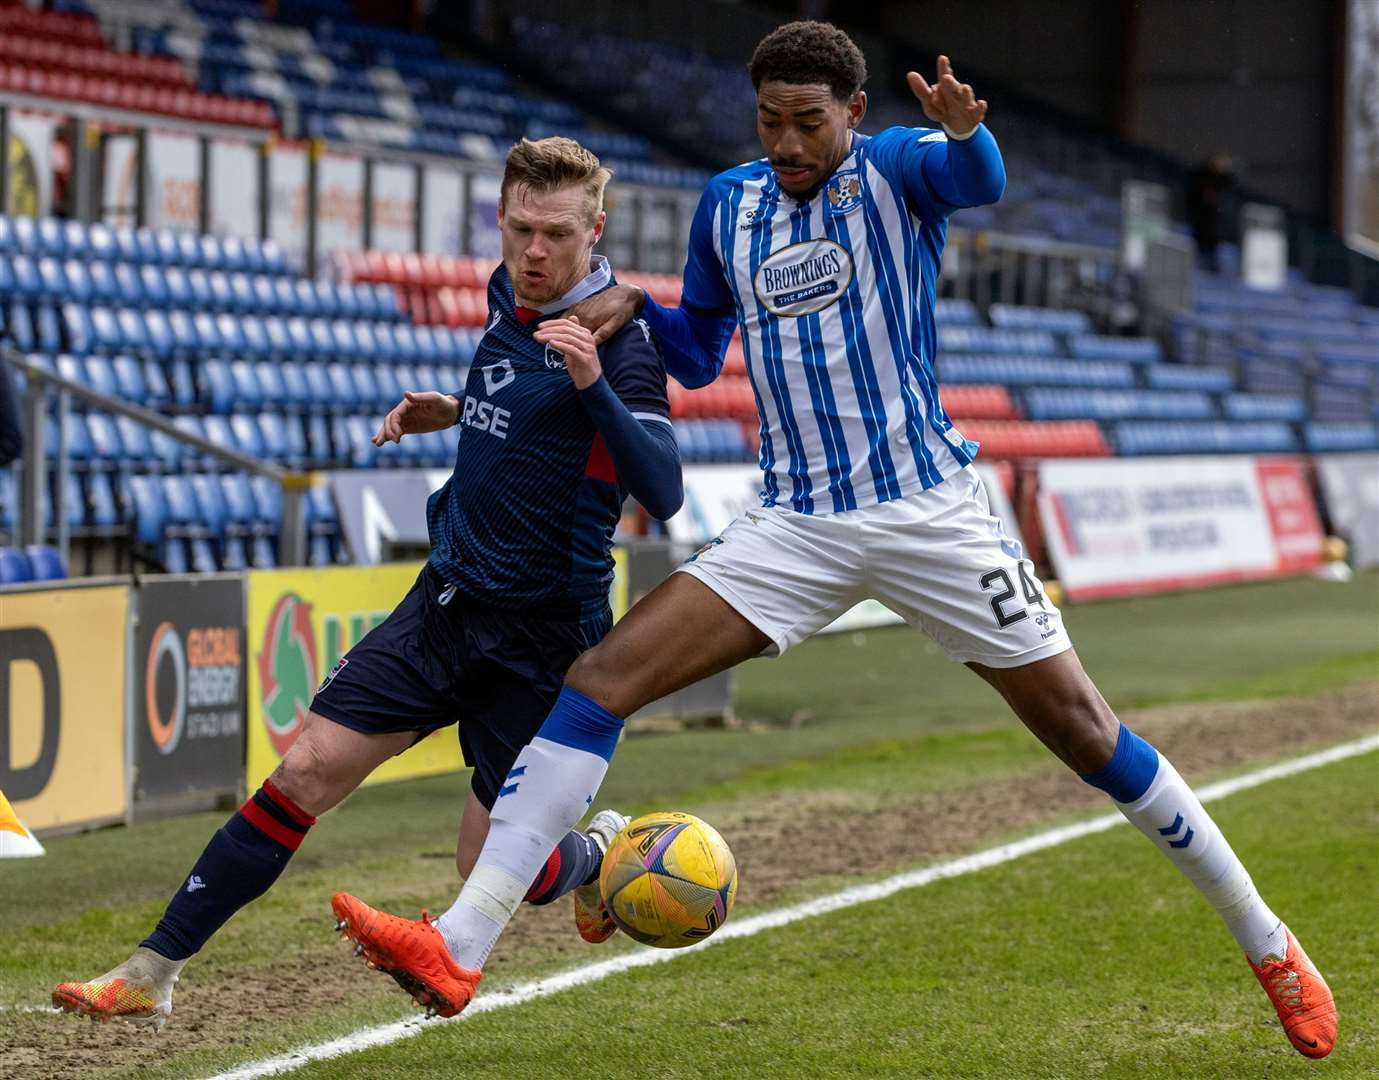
(1088, 729)
(600, 675)
(303, 775)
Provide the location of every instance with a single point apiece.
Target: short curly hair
(808, 52)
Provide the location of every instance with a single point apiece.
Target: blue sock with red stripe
(241, 862)
(575, 861)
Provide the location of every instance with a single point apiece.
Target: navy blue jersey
(526, 521)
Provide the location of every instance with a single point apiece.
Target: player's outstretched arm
(966, 169)
(693, 344)
(417, 412)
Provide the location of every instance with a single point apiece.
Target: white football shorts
(939, 559)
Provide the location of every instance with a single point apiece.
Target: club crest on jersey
(803, 278)
(844, 191)
(555, 359)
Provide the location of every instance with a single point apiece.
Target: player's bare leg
(1058, 702)
(242, 861)
(680, 633)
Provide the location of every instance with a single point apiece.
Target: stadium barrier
(1350, 488)
(64, 654)
(1119, 527)
(300, 624)
(186, 724)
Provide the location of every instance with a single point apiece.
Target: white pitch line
(383, 1034)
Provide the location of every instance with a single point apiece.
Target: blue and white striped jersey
(835, 300)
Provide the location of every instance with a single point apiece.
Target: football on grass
(668, 879)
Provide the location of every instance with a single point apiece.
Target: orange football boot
(412, 951)
(1301, 998)
(139, 990)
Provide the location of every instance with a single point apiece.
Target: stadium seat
(15, 567)
(45, 562)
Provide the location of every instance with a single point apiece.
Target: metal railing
(47, 389)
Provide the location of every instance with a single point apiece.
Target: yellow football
(668, 879)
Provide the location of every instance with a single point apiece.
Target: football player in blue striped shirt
(825, 253)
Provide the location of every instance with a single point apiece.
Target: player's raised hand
(576, 343)
(608, 312)
(948, 101)
(418, 412)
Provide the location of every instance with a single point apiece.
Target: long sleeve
(644, 451)
(694, 336)
(693, 343)
(938, 173)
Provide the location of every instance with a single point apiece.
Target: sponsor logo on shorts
(707, 547)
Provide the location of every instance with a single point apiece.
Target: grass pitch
(1089, 960)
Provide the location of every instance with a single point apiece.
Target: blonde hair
(552, 163)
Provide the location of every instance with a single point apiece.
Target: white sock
(548, 790)
(1169, 812)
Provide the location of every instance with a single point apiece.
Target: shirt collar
(600, 276)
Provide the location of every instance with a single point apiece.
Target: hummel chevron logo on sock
(1186, 838)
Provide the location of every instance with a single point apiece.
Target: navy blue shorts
(438, 660)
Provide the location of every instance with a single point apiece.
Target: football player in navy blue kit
(556, 433)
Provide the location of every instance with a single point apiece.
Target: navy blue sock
(575, 861)
(241, 862)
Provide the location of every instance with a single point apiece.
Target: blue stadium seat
(182, 328)
(155, 288)
(242, 290)
(127, 245)
(157, 394)
(15, 568)
(216, 254)
(72, 367)
(100, 376)
(100, 240)
(366, 388)
(159, 246)
(232, 254)
(199, 287)
(49, 237)
(46, 329)
(1341, 436)
(265, 297)
(320, 388)
(28, 282)
(302, 345)
(1189, 377)
(100, 496)
(306, 303)
(238, 497)
(285, 290)
(76, 244)
(177, 288)
(1263, 407)
(255, 344)
(104, 288)
(209, 497)
(137, 447)
(280, 342)
(320, 451)
(404, 343)
(270, 432)
(222, 295)
(53, 282)
(46, 562)
(19, 328)
(159, 339)
(78, 281)
(268, 503)
(246, 435)
(344, 395)
(189, 249)
(147, 508)
(128, 377)
(271, 256)
(7, 242)
(231, 333)
(327, 303)
(1013, 317)
(129, 284)
(207, 332)
(107, 451)
(217, 386)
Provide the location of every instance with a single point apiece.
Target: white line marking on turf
(384, 1034)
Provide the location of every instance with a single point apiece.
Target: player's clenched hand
(948, 101)
(576, 343)
(416, 413)
(608, 312)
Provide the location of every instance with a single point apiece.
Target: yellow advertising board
(62, 704)
(300, 623)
